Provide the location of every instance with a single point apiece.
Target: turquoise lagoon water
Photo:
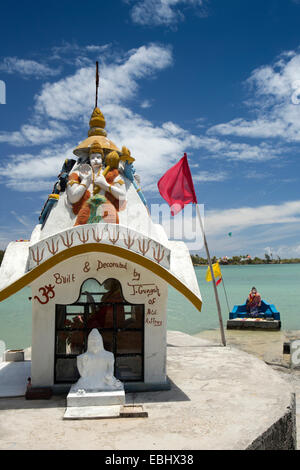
(278, 284)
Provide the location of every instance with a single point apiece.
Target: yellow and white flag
(216, 270)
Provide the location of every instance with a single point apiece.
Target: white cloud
(16, 232)
(145, 104)
(253, 228)
(154, 147)
(71, 99)
(73, 96)
(206, 176)
(65, 107)
(22, 219)
(35, 135)
(68, 49)
(27, 68)
(282, 250)
(162, 12)
(275, 90)
(246, 152)
(33, 173)
(219, 220)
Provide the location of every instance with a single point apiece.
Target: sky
(217, 80)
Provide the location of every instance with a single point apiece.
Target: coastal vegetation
(244, 259)
(241, 259)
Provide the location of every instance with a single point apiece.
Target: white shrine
(97, 261)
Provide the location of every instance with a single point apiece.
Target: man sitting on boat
(253, 302)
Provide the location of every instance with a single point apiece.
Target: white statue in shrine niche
(96, 367)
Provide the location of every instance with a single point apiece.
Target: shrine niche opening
(120, 323)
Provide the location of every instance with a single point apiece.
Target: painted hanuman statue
(97, 193)
(97, 184)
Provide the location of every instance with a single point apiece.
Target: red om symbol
(47, 292)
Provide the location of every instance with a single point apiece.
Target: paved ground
(267, 346)
(221, 398)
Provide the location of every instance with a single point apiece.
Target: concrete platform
(220, 398)
(114, 397)
(92, 412)
(94, 404)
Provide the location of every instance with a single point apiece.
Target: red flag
(218, 281)
(176, 186)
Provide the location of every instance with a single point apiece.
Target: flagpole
(225, 294)
(213, 277)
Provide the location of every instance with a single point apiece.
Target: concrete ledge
(281, 435)
(92, 412)
(13, 378)
(14, 355)
(239, 324)
(114, 397)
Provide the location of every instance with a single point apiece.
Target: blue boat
(268, 317)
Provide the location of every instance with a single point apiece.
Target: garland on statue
(95, 203)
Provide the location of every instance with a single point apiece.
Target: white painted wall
(43, 321)
(14, 263)
(182, 267)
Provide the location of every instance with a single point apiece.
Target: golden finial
(97, 119)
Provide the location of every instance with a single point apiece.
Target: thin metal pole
(97, 83)
(213, 278)
(225, 294)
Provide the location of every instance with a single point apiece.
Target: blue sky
(218, 80)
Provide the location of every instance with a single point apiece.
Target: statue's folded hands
(101, 181)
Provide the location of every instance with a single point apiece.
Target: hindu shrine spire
(97, 121)
(97, 130)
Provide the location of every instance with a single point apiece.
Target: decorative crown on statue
(126, 155)
(95, 148)
(112, 159)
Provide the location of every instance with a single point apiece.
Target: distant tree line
(241, 259)
(244, 259)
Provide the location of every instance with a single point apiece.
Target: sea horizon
(277, 283)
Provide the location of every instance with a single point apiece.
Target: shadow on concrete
(21, 403)
(210, 345)
(175, 394)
